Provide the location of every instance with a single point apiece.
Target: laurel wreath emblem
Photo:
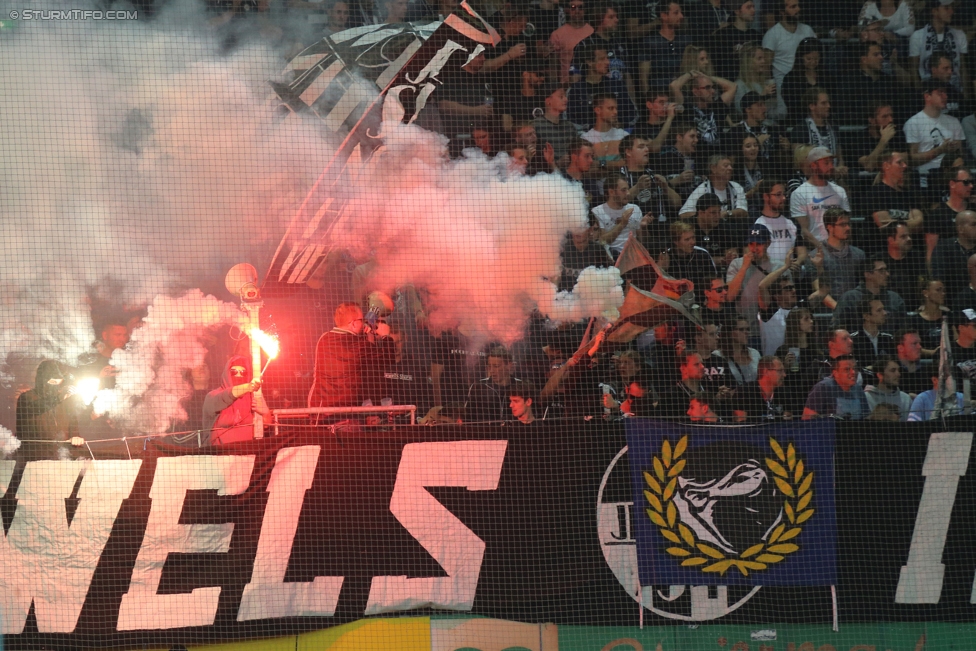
(790, 476)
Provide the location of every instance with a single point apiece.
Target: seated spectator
(740, 360)
(966, 299)
(711, 115)
(951, 257)
(582, 249)
(777, 298)
(931, 133)
(525, 101)
(685, 260)
(605, 136)
(719, 183)
(885, 391)
(942, 71)
(927, 320)
(730, 41)
(676, 162)
(597, 84)
(712, 233)
(816, 128)
(521, 397)
(874, 284)
(924, 406)
(838, 395)
(565, 39)
(870, 343)
(882, 134)
(617, 218)
(228, 412)
(631, 389)
(906, 263)
(938, 36)
(656, 129)
(760, 400)
(867, 86)
(785, 39)
(782, 230)
(804, 76)
(888, 201)
(604, 19)
(744, 274)
(717, 308)
(964, 349)
(676, 398)
(801, 358)
(661, 52)
(840, 261)
(811, 200)
(488, 397)
(839, 343)
(940, 223)
(551, 128)
(908, 348)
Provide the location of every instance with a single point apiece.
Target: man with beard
(885, 390)
(782, 230)
(940, 224)
(784, 37)
(817, 129)
(676, 162)
(888, 202)
(228, 412)
(906, 263)
(597, 84)
(869, 146)
(46, 413)
(810, 201)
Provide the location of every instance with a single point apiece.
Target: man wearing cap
(745, 274)
(938, 36)
(810, 201)
(931, 134)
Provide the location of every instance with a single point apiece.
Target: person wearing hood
(46, 413)
(228, 412)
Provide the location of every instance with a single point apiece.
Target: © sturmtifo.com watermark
(73, 14)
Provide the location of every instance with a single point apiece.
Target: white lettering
(141, 607)
(44, 559)
(267, 595)
(475, 465)
(921, 578)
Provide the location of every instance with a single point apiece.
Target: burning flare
(88, 388)
(269, 344)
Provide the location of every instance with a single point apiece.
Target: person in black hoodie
(46, 413)
(228, 412)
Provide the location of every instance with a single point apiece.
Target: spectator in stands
(777, 298)
(113, 336)
(801, 357)
(951, 257)
(885, 389)
(720, 183)
(755, 76)
(804, 76)
(523, 103)
(871, 342)
(617, 218)
(685, 260)
(908, 347)
(740, 360)
(676, 398)
(48, 412)
(930, 133)
(813, 198)
(924, 407)
(551, 128)
(605, 136)
(631, 392)
(717, 308)
(582, 249)
(867, 86)
(838, 395)
(506, 68)
(874, 284)
(714, 234)
(750, 174)
(817, 130)
(717, 382)
(521, 397)
(565, 39)
(966, 298)
(927, 319)
(711, 116)
(466, 100)
(660, 116)
(782, 230)
(942, 71)
(604, 19)
(578, 170)
(651, 192)
(228, 412)
(871, 144)
(707, 17)
(729, 42)
(488, 397)
(906, 264)
(338, 18)
(940, 223)
(754, 124)
(964, 349)
(595, 85)
(660, 58)
(840, 261)
(760, 400)
(969, 130)
(938, 36)
(895, 16)
(677, 162)
(838, 343)
(405, 378)
(744, 274)
(785, 37)
(887, 202)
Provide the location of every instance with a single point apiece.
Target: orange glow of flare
(88, 388)
(269, 344)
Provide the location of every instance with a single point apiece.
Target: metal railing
(295, 414)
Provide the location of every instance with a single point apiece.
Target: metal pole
(253, 310)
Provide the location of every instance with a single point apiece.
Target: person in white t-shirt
(930, 133)
(606, 135)
(616, 217)
(782, 228)
(938, 36)
(810, 201)
(784, 37)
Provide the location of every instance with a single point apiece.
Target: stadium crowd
(806, 165)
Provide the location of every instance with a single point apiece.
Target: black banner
(309, 530)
